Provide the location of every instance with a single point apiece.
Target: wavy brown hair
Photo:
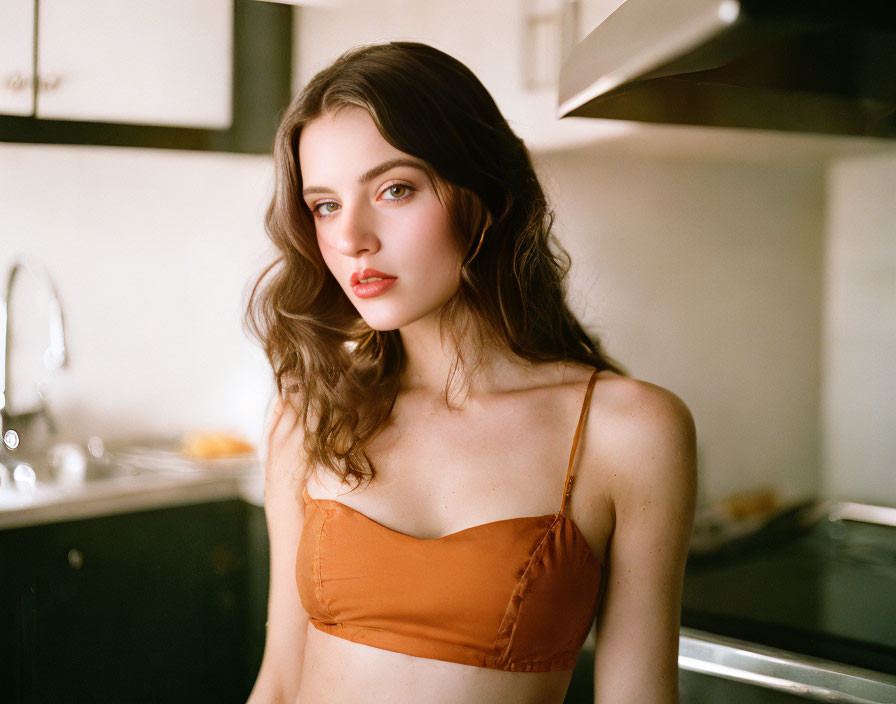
(340, 375)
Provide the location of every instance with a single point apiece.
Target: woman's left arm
(650, 455)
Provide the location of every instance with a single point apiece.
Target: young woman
(437, 400)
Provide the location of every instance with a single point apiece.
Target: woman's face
(381, 229)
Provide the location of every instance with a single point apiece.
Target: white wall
(151, 251)
(706, 277)
(702, 257)
(859, 389)
(703, 276)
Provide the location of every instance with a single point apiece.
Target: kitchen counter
(111, 585)
(795, 646)
(137, 492)
(806, 614)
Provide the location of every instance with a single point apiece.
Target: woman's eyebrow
(371, 174)
(386, 165)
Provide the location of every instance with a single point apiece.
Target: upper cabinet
(16, 57)
(168, 62)
(515, 47)
(180, 74)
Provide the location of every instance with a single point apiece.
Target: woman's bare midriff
(339, 670)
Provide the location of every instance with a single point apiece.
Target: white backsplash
(859, 377)
(151, 252)
(746, 288)
(763, 292)
(705, 277)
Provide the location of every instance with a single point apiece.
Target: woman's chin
(382, 324)
(385, 321)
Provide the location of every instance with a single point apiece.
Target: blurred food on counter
(194, 452)
(746, 520)
(210, 445)
(758, 502)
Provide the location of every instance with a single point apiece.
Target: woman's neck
(429, 360)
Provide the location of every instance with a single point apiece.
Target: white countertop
(147, 490)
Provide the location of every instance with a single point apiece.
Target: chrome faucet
(17, 429)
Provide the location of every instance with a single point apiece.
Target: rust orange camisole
(517, 594)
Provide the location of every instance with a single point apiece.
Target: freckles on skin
(374, 207)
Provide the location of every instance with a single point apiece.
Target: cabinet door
(16, 57)
(166, 62)
(141, 607)
(513, 46)
(18, 614)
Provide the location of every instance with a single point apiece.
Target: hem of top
(490, 662)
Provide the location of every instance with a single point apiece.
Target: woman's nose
(356, 232)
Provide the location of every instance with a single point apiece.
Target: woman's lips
(370, 282)
(373, 288)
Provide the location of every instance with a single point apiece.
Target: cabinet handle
(18, 81)
(48, 82)
(75, 559)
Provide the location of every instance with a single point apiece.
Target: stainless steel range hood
(796, 65)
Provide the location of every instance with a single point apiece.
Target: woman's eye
(326, 208)
(397, 191)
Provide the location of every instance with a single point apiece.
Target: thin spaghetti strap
(570, 476)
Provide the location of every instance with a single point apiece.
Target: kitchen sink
(25, 476)
(74, 480)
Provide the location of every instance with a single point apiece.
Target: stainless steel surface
(811, 678)
(126, 492)
(866, 513)
(62, 471)
(16, 428)
(613, 55)
(69, 465)
(806, 67)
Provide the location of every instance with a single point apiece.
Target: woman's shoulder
(283, 452)
(640, 437)
(624, 399)
(632, 401)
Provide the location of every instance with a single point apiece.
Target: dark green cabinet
(153, 606)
